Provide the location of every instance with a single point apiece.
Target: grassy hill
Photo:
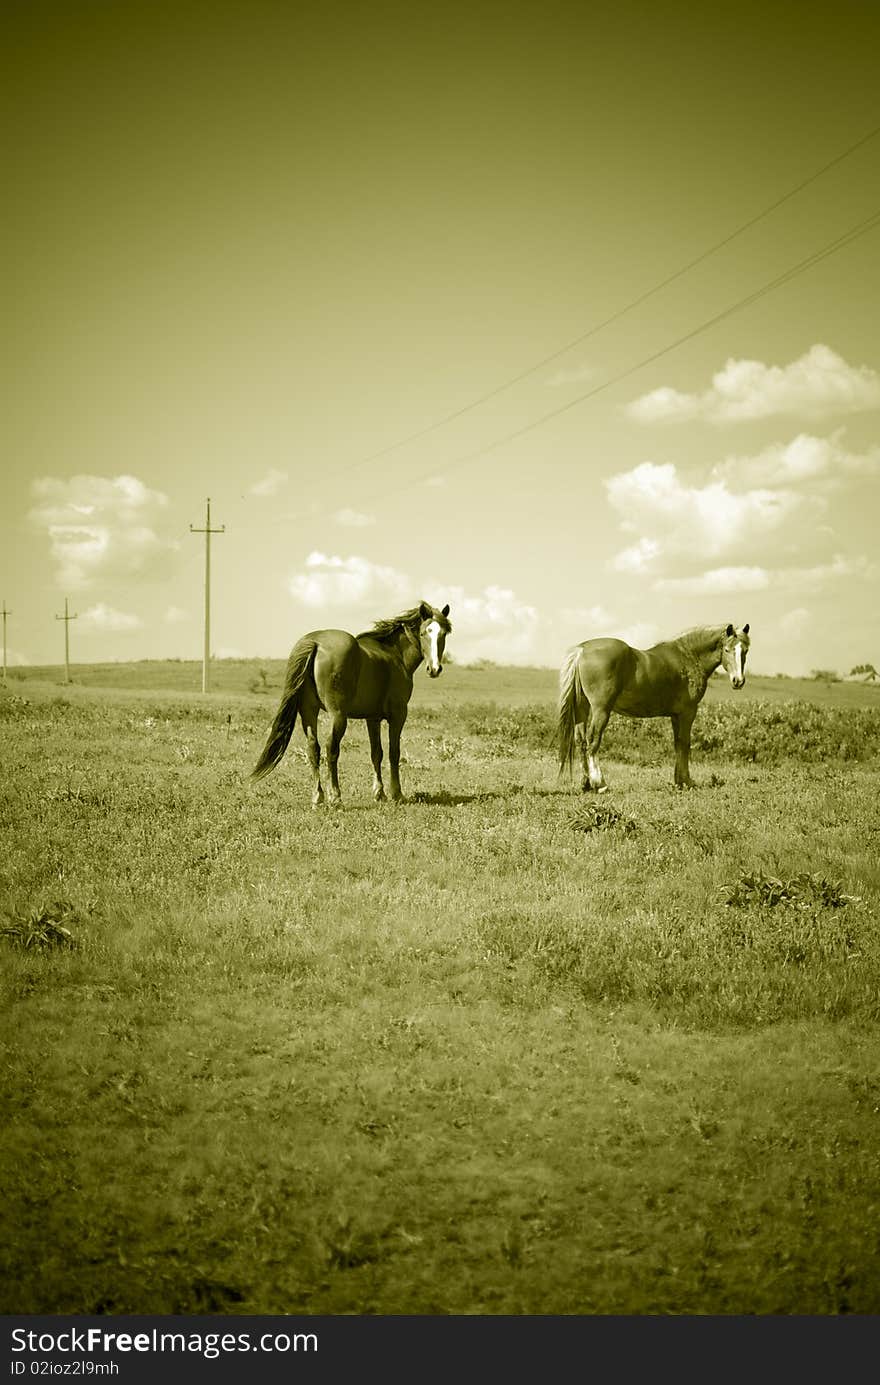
(508, 686)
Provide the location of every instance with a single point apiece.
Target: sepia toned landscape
(505, 1048)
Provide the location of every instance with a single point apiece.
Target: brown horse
(368, 676)
(603, 676)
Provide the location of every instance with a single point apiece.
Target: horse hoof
(601, 788)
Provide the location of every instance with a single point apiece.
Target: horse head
(734, 648)
(433, 629)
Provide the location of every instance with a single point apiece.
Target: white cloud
(270, 484)
(574, 376)
(103, 528)
(817, 384)
(641, 635)
(804, 460)
(794, 623)
(353, 581)
(493, 624)
(638, 557)
(353, 519)
(435, 481)
(104, 618)
(175, 615)
(676, 519)
(718, 581)
(723, 580)
(593, 618)
(814, 578)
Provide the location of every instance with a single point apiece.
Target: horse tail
(570, 688)
(299, 666)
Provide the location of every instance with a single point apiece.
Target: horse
(367, 676)
(602, 676)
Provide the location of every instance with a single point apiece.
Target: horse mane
(692, 643)
(386, 630)
(699, 636)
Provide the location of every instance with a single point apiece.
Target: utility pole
(5, 614)
(67, 619)
(207, 531)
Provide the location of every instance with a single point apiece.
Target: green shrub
(764, 732)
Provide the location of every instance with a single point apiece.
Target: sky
(389, 284)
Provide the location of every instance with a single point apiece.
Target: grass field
(502, 1049)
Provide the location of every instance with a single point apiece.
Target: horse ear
(746, 628)
(729, 630)
(424, 610)
(445, 611)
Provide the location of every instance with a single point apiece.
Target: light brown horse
(603, 676)
(368, 676)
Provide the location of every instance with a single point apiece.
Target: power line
(615, 316)
(839, 243)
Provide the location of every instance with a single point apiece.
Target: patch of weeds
(505, 728)
(622, 1068)
(347, 1246)
(512, 1245)
(601, 817)
(13, 706)
(688, 833)
(446, 748)
(211, 1296)
(43, 928)
(701, 1124)
(805, 890)
(784, 920)
(68, 794)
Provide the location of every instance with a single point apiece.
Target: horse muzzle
(737, 683)
(434, 672)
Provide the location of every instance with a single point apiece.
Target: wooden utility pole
(5, 614)
(67, 619)
(207, 531)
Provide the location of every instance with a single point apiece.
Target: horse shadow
(443, 799)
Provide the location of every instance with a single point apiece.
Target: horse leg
(583, 711)
(374, 726)
(313, 750)
(681, 733)
(337, 731)
(598, 721)
(395, 726)
(582, 743)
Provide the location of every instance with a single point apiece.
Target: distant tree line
(830, 675)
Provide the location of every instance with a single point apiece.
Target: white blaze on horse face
(433, 630)
(737, 673)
